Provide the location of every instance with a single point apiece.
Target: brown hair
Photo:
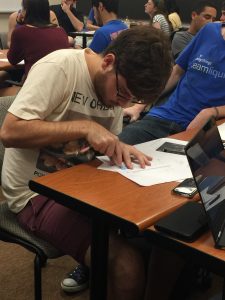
(143, 57)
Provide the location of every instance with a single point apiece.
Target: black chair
(12, 232)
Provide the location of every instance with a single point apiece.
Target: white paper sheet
(222, 131)
(6, 60)
(165, 167)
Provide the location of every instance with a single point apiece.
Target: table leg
(223, 292)
(84, 41)
(99, 260)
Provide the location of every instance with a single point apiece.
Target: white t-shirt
(58, 88)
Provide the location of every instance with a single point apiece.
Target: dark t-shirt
(32, 43)
(64, 20)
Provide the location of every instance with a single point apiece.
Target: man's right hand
(108, 144)
(101, 139)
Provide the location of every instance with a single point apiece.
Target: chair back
(8, 221)
(3, 40)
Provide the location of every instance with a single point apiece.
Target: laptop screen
(206, 157)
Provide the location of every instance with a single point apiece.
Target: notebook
(206, 157)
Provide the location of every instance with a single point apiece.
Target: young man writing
(60, 118)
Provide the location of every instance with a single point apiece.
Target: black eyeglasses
(119, 95)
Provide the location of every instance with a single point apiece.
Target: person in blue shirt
(105, 12)
(199, 76)
(91, 23)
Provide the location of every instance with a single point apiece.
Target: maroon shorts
(64, 228)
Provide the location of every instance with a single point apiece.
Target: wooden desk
(5, 65)
(108, 198)
(84, 35)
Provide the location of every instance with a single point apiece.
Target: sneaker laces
(79, 274)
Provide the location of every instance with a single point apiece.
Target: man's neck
(192, 30)
(106, 17)
(93, 61)
(223, 32)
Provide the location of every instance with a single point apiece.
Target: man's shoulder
(61, 57)
(113, 25)
(183, 35)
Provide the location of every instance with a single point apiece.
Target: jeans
(147, 129)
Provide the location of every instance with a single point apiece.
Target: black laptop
(206, 157)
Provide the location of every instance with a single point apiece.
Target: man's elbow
(7, 138)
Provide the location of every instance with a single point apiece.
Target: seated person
(16, 19)
(105, 12)
(78, 98)
(68, 16)
(173, 14)
(158, 17)
(91, 23)
(203, 12)
(37, 37)
(199, 94)
(222, 17)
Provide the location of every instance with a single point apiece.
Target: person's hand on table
(128, 154)
(103, 141)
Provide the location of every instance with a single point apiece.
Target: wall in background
(134, 9)
(9, 5)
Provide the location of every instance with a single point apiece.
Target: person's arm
(16, 50)
(156, 25)
(175, 76)
(91, 23)
(77, 24)
(134, 111)
(11, 27)
(90, 26)
(53, 18)
(20, 133)
(201, 118)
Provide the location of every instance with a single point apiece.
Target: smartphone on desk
(186, 188)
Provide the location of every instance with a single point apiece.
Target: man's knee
(125, 259)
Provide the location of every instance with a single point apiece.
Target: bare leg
(126, 271)
(164, 268)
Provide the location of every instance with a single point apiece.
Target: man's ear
(193, 15)
(108, 62)
(100, 6)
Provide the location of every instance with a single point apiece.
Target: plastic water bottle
(127, 22)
